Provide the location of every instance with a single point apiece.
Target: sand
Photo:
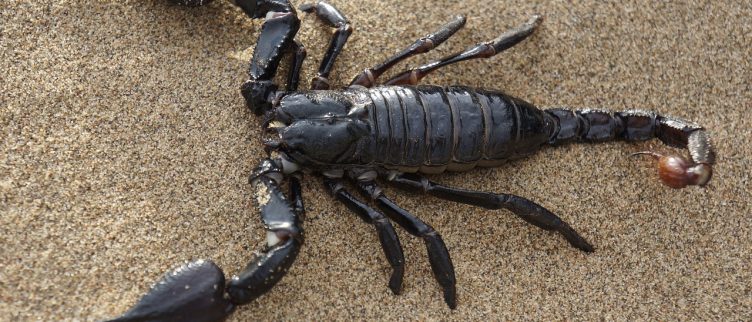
(126, 147)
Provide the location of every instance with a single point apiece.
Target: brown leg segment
(482, 50)
(368, 76)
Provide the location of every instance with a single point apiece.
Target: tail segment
(591, 125)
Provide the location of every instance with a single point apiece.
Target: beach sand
(126, 149)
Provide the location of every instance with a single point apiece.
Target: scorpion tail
(592, 125)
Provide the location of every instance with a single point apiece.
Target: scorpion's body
(427, 129)
(395, 130)
(432, 129)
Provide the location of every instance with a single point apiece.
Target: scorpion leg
(482, 50)
(331, 16)
(196, 291)
(298, 55)
(367, 77)
(389, 241)
(438, 255)
(523, 208)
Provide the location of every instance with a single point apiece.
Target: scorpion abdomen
(432, 129)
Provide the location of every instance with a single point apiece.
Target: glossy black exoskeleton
(395, 130)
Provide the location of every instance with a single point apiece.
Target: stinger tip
(676, 172)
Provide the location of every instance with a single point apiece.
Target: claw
(192, 292)
(284, 237)
(196, 291)
(263, 272)
(676, 172)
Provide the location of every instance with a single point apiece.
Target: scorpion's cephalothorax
(408, 128)
(320, 129)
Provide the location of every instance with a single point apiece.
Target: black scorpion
(395, 131)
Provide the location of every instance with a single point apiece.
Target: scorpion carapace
(394, 130)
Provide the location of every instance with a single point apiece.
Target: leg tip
(395, 282)
(575, 239)
(450, 297)
(396, 289)
(586, 247)
(459, 20)
(535, 20)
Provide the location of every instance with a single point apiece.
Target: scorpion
(396, 131)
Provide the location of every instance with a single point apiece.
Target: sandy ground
(126, 147)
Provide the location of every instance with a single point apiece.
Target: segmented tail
(591, 125)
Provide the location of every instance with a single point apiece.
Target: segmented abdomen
(432, 129)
